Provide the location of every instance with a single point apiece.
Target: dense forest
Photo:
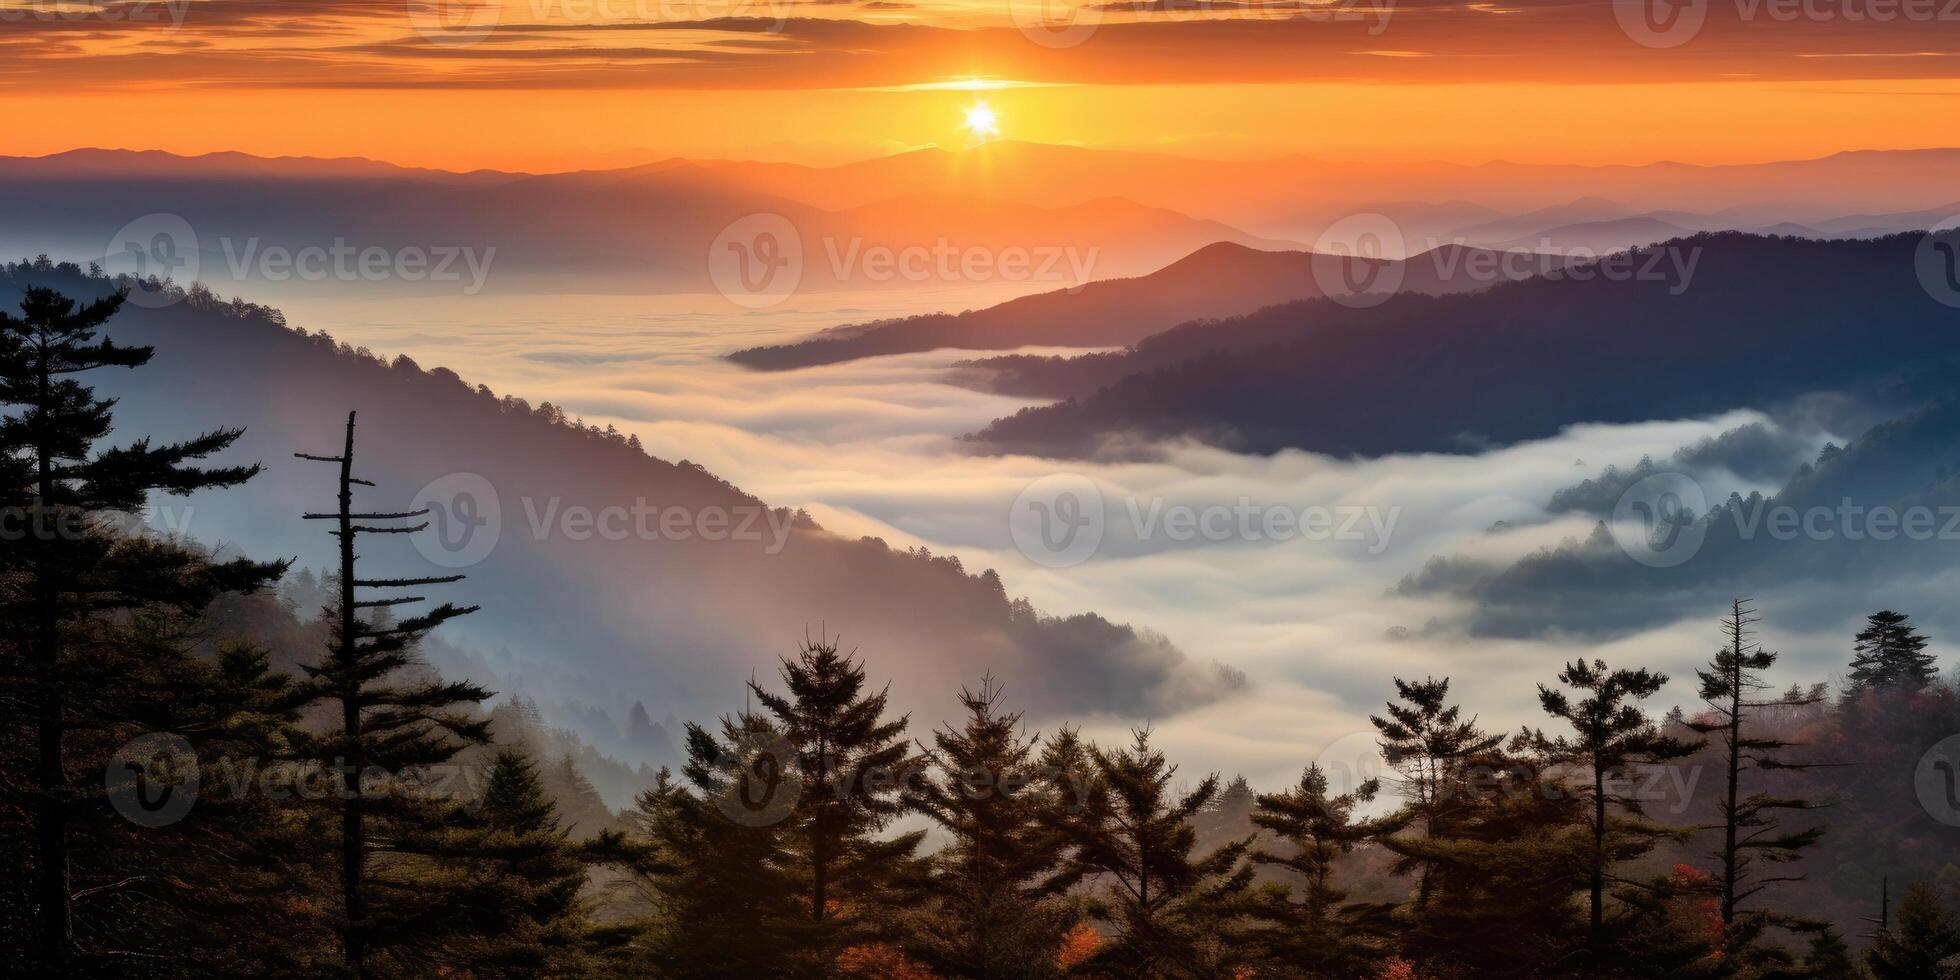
(213, 765)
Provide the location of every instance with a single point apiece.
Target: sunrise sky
(562, 84)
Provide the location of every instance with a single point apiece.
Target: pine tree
(391, 727)
(73, 567)
(1751, 829)
(1611, 737)
(852, 762)
(1315, 830)
(520, 893)
(1891, 654)
(717, 860)
(1174, 910)
(1509, 862)
(1924, 946)
(1427, 741)
(996, 883)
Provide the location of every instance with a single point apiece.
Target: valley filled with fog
(1317, 621)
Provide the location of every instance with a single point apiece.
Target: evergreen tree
(995, 885)
(1611, 737)
(1925, 945)
(1175, 911)
(520, 885)
(392, 728)
(852, 762)
(716, 858)
(1891, 654)
(1751, 827)
(1509, 862)
(72, 568)
(583, 810)
(1426, 740)
(1316, 830)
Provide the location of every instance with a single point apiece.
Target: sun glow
(980, 121)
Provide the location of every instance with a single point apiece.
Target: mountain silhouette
(1757, 320)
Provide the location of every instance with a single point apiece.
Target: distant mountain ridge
(1759, 319)
(1220, 280)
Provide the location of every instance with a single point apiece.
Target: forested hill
(1692, 326)
(1220, 280)
(678, 623)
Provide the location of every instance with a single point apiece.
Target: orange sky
(557, 84)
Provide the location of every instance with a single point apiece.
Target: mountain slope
(676, 614)
(1759, 319)
(1222, 279)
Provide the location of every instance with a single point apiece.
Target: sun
(980, 121)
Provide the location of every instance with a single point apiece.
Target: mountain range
(652, 228)
(1691, 327)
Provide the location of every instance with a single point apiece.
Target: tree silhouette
(1924, 946)
(1890, 653)
(994, 911)
(1427, 741)
(72, 497)
(714, 853)
(524, 876)
(391, 727)
(1611, 737)
(1751, 827)
(1317, 830)
(852, 762)
(1172, 908)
